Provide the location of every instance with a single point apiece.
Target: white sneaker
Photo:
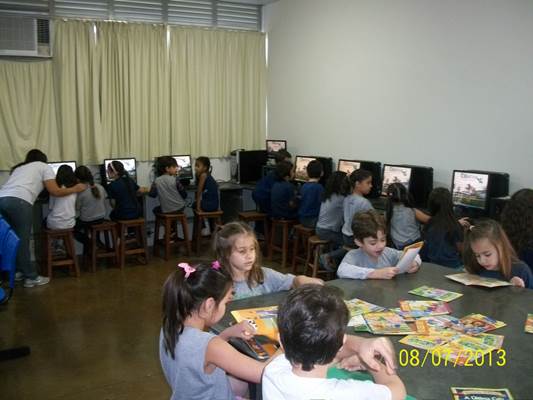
(19, 276)
(39, 281)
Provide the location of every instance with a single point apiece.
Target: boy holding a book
(373, 259)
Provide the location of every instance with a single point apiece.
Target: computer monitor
(250, 165)
(184, 166)
(348, 166)
(470, 189)
(300, 170)
(56, 164)
(395, 174)
(273, 146)
(129, 166)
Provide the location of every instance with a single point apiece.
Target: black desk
(507, 304)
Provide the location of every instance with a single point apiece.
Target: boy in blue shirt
(282, 198)
(311, 195)
(263, 188)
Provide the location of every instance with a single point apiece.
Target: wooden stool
(255, 216)
(70, 260)
(139, 239)
(301, 234)
(284, 224)
(170, 221)
(199, 218)
(314, 250)
(109, 230)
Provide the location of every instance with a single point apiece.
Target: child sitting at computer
(168, 188)
(312, 324)
(63, 209)
(373, 259)
(123, 192)
(489, 253)
(207, 198)
(311, 195)
(283, 195)
(358, 184)
(403, 220)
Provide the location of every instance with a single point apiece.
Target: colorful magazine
(462, 350)
(474, 324)
(463, 393)
(421, 308)
(441, 323)
(358, 307)
(434, 293)
(358, 323)
(387, 323)
(495, 341)
(529, 324)
(471, 279)
(263, 319)
(428, 342)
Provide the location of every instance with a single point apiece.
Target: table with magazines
(426, 373)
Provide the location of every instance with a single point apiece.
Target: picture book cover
(442, 323)
(408, 256)
(529, 324)
(474, 324)
(462, 350)
(387, 323)
(464, 393)
(471, 279)
(424, 307)
(428, 342)
(358, 306)
(358, 323)
(495, 341)
(434, 293)
(265, 341)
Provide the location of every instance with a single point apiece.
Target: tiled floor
(95, 337)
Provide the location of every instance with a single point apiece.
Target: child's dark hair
(118, 168)
(31, 156)
(359, 175)
(397, 193)
(65, 176)
(206, 162)
(493, 231)
(283, 169)
(312, 321)
(314, 169)
(184, 295)
(517, 220)
(85, 175)
(223, 246)
(282, 155)
(334, 185)
(443, 218)
(367, 224)
(165, 162)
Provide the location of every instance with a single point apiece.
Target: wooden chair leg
(285, 246)
(93, 247)
(295, 249)
(122, 250)
(156, 237)
(166, 238)
(114, 237)
(72, 246)
(185, 228)
(143, 242)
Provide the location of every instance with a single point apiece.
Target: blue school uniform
(262, 191)
(311, 197)
(280, 197)
(518, 269)
(124, 191)
(210, 200)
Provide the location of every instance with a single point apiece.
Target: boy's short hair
(282, 155)
(314, 169)
(312, 322)
(165, 162)
(283, 169)
(367, 224)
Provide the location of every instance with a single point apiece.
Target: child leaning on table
(312, 324)
(373, 259)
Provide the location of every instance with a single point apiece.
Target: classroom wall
(447, 84)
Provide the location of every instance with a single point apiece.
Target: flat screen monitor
(469, 189)
(129, 166)
(56, 164)
(348, 166)
(184, 166)
(273, 146)
(300, 172)
(395, 174)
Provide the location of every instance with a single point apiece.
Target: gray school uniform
(353, 204)
(169, 196)
(185, 374)
(331, 213)
(356, 264)
(274, 282)
(89, 207)
(404, 228)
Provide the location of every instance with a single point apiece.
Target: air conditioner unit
(24, 37)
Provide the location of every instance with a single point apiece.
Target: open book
(408, 257)
(471, 279)
(464, 393)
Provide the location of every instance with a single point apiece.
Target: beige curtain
(27, 111)
(116, 89)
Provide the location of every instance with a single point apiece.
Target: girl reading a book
(198, 364)
(489, 253)
(238, 252)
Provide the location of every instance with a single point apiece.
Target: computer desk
(432, 381)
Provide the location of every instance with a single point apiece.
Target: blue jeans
(18, 214)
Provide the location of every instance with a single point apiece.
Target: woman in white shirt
(17, 197)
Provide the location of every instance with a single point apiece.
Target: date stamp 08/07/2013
(468, 358)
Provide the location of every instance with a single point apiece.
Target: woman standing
(17, 197)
